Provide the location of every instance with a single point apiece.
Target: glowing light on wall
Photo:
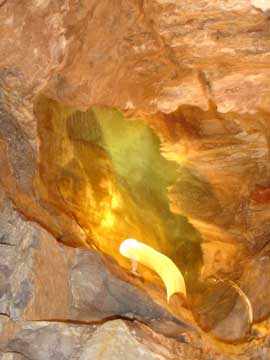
(161, 264)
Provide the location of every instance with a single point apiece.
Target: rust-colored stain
(261, 195)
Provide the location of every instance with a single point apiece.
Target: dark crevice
(178, 332)
(88, 323)
(7, 244)
(4, 314)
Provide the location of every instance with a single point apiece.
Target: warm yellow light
(115, 202)
(108, 219)
(156, 261)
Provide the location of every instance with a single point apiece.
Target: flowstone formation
(134, 119)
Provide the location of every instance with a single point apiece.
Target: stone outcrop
(113, 340)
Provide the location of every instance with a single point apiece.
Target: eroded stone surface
(174, 53)
(82, 286)
(44, 280)
(180, 54)
(206, 68)
(115, 339)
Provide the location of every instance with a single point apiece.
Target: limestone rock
(113, 340)
(44, 280)
(254, 282)
(198, 74)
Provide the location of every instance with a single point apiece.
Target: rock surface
(115, 339)
(44, 280)
(52, 294)
(198, 74)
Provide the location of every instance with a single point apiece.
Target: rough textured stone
(174, 53)
(82, 286)
(115, 339)
(198, 73)
(180, 54)
(112, 340)
(255, 283)
(44, 280)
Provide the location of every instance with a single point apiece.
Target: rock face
(179, 158)
(113, 340)
(57, 302)
(116, 339)
(44, 280)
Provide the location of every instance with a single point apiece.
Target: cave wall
(196, 76)
(107, 174)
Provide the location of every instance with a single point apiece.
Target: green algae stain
(134, 151)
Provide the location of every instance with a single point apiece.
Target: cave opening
(108, 174)
(106, 178)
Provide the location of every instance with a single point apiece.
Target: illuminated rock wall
(148, 120)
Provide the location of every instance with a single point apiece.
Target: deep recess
(108, 173)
